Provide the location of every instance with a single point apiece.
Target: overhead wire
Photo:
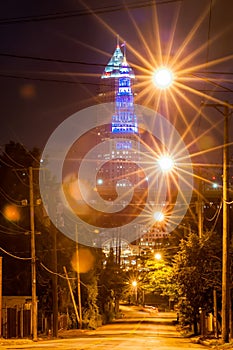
(215, 214)
(10, 232)
(11, 200)
(47, 59)
(54, 60)
(61, 275)
(14, 256)
(58, 60)
(84, 12)
(216, 219)
(17, 175)
(5, 163)
(12, 160)
(225, 89)
(47, 80)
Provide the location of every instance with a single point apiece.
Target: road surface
(137, 330)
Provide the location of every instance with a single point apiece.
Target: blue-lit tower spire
(124, 121)
(111, 71)
(122, 149)
(118, 77)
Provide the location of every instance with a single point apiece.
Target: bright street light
(158, 216)
(158, 256)
(166, 163)
(135, 288)
(163, 78)
(134, 283)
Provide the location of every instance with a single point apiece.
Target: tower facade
(121, 154)
(124, 121)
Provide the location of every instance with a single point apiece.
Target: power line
(14, 256)
(11, 159)
(84, 12)
(215, 72)
(9, 199)
(60, 275)
(47, 59)
(225, 89)
(58, 60)
(47, 80)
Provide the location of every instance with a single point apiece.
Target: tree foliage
(111, 285)
(15, 236)
(158, 277)
(197, 271)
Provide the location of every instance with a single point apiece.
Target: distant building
(122, 155)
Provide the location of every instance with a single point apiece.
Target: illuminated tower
(120, 178)
(117, 87)
(124, 121)
(110, 76)
(122, 153)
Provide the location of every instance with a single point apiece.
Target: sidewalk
(213, 343)
(64, 334)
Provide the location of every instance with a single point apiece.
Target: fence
(16, 323)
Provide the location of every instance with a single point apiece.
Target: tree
(158, 277)
(197, 270)
(89, 299)
(53, 249)
(111, 283)
(14, 218)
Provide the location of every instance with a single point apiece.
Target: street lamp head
(158, 216)
(166, 163)
(163, 78)
(134, 283)
(158, 256)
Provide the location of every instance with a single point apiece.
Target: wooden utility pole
(33, 257)
(225, 237)
(0, 296)
(215, 313)
(225, 222)
(72, 295)
(78, 280)
(54, 282)
(200, 207)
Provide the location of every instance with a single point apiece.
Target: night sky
(52, 54)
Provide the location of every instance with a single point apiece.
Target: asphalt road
(135, 331)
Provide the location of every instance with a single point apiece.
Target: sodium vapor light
(163, 78)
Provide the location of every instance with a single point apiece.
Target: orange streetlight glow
(11, 212)
(163, 78)
(166, 163)
(134, 283)
(158, 256)
(158, 216)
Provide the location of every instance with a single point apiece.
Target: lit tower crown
(124, 120)
(118, 71)
(112, 68)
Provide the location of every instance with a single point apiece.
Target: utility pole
(225, 223)
(54, 282)
(33, 257)
(78, 279)
(0, 296)
(225, 238)
(200, 207)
